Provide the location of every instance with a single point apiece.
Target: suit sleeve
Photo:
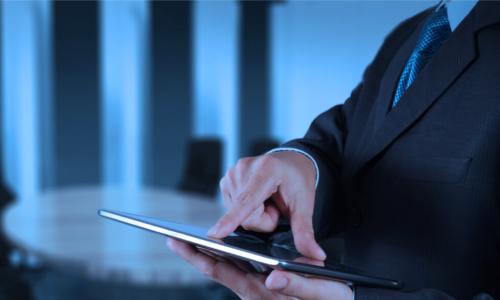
(324, 142)
(326, 136)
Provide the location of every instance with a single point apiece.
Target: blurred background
(142, 106)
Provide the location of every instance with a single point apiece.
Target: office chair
(202, 171)
(13, 284)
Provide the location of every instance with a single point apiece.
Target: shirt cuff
(303, 153)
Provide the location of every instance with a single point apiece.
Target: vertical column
(215, 107)
(76, 91)
(124, 70)
(46, 104)
(2, 141)
(169, 118)
(281, 33)
(254, 117)
(25, 42)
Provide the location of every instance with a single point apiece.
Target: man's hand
(278, 285)
(288, 179)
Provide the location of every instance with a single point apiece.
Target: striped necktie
(435, 31)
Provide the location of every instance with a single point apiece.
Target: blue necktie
(434, 33)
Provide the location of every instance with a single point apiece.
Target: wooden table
(62, 229)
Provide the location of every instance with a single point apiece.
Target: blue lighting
(215, 73)
(124, 60)
(26, 91)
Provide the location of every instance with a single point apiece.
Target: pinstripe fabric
(434, 33)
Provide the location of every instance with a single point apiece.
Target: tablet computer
(250, 251)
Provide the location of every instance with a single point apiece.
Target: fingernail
(278, 283)
(213, 231)
(322, 253)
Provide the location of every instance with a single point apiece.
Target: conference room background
(111, 93)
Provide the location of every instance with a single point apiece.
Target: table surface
(62, 229)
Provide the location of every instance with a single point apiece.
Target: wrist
(303, 160)
(299, 163)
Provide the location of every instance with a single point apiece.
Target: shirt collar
(458, 10)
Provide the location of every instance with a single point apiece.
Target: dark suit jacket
(414, 191)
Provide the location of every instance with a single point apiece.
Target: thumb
(301, 287)
(303, 235)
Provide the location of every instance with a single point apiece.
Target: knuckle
(215, 273)
(243, 162)
(258, 225)
(239, 162)
(219, 273)
(209, 272)
(305, 231)
(242, 197)
(259, 178)
(248, 289)
(231, 180)
(295, 284)
(230, 171)
(228, 177)
(255, 221)
(266, 160)
(223, 184)
(250, 225)
(247, 226)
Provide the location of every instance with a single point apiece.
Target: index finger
(243, 207)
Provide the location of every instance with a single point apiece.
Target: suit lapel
(391, 78)
(382, 101)
(456, 54)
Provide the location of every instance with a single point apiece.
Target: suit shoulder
(393, 42)
(402, 30)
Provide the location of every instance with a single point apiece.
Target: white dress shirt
(458, 10)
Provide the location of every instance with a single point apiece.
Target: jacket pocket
(433, 169)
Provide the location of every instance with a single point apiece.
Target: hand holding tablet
(279, 285)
